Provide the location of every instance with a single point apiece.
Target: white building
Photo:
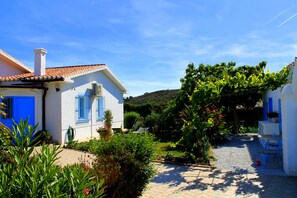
(60, 97)
(284, 101)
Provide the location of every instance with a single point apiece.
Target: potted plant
(106, 130)
(273, 116)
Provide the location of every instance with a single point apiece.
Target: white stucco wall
(113, 101)
(275, 95)
(289, 114)
(7, 70)
(36, 93)
(53, 111)
(288, 95)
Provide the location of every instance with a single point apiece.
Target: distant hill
(162, 96)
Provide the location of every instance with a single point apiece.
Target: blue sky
(149, 43)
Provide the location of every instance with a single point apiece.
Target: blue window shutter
(100, 108)
(81, 107)
(264, 110)
(270, 105)
(88, 107)
(280, 115)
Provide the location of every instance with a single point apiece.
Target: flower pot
(104, 135)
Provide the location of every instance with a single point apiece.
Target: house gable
(10, 66)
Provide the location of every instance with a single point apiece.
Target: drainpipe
(43, 107)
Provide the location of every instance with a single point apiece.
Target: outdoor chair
(141, 130)
(272, 149)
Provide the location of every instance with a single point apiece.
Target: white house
(284, 101)
(60, 97)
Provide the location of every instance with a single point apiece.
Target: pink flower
(87, 191)
(86, 167)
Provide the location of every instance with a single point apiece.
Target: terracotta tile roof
(55, 73)
(291, 65)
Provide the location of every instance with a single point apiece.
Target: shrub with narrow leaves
(24, 173)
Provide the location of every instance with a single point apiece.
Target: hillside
(162, 96)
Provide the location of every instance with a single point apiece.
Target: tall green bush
(125, 164)
(130, 119)
(152, 121)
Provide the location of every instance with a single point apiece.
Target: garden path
(241, 153)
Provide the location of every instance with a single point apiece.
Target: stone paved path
(187, 182)
(190, 182)
(241, 153)
(69, 156)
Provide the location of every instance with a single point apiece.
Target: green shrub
(25, 173)
(130, 119)
(152, 121)
(125, 164)
(89, 146)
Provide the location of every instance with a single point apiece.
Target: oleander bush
(124, 162)
(26, 173)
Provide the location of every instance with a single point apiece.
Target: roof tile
(55, 73)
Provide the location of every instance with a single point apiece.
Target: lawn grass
(167, 148)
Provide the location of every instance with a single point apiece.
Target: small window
(8, 107)
(82, 108)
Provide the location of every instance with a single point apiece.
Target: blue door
(17, 108)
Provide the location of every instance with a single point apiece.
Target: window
(8, 107)
(83, 108)
(100, 108)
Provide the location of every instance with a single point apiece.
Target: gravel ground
(241, 153)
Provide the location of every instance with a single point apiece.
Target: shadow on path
(239, 182)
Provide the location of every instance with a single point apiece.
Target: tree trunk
(235, 121)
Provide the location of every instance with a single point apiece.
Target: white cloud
(35, 39)
(288, 19)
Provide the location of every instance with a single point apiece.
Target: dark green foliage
(162, 96)
(150, 102)
(142, 109)
(130, 119)
(125, 164)
(152, 121)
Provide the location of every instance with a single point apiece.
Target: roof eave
(15, 61)
(123, 89)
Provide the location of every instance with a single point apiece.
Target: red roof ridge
(69, 66)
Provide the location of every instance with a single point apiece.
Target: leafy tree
(208, 89)
(244, 85)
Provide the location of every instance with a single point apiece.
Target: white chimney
(39, 62)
